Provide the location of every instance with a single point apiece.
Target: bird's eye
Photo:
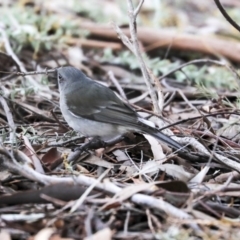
(60, 78)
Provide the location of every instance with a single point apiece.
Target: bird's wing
(99, 103)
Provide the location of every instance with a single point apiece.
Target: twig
(133, 31)
(224, 176)
(57, 120)
(138, 98)
(169, 100)
(190, 63)
(133, 45)
(79, 202)
(149, 220)
(225, 14)
(137, 168)
(11, 123)
(35, 160)
(138, 8)
(187, 101)
(126, 222)
(123, 37)
(117, 85)
(23, 72)
(65, 143)
(18, 162)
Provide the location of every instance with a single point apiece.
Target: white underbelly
(91, 128)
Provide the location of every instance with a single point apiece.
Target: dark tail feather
(162, 137)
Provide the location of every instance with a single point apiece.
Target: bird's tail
(162, 137)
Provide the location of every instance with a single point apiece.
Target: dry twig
(133, 45)
(11, 123)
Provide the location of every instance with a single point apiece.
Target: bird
(94, 110)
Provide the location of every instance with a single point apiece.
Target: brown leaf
(51, 156)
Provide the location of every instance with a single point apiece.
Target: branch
(133, 31)
(133, 45)
(225, 14)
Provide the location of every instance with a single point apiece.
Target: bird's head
(69, 76)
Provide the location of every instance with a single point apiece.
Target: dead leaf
(156, 147)
(104, 234)
(45, 234)
(4, 235)
(178, 172)
(99, 162)
(51, 156)
(120, 155)
(198, 178)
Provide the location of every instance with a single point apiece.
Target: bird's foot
(97, 142)
(94, 143)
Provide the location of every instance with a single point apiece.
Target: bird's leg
(114, 140)
(93, 143)
(97, 142)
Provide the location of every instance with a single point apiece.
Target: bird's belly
(91, 128)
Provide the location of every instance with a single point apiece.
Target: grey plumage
(95, 110)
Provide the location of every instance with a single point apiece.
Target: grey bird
(96, 111)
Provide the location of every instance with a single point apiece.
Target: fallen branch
(159, 38)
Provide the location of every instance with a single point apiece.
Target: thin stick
(133, 31)
(46, 72)
(79, 202)
(10, 52)
(225, 14)
(9, 116)
(126, 222)
(133, 46)
(190, 63)
(117, 85)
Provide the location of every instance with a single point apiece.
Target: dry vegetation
(179, 71)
